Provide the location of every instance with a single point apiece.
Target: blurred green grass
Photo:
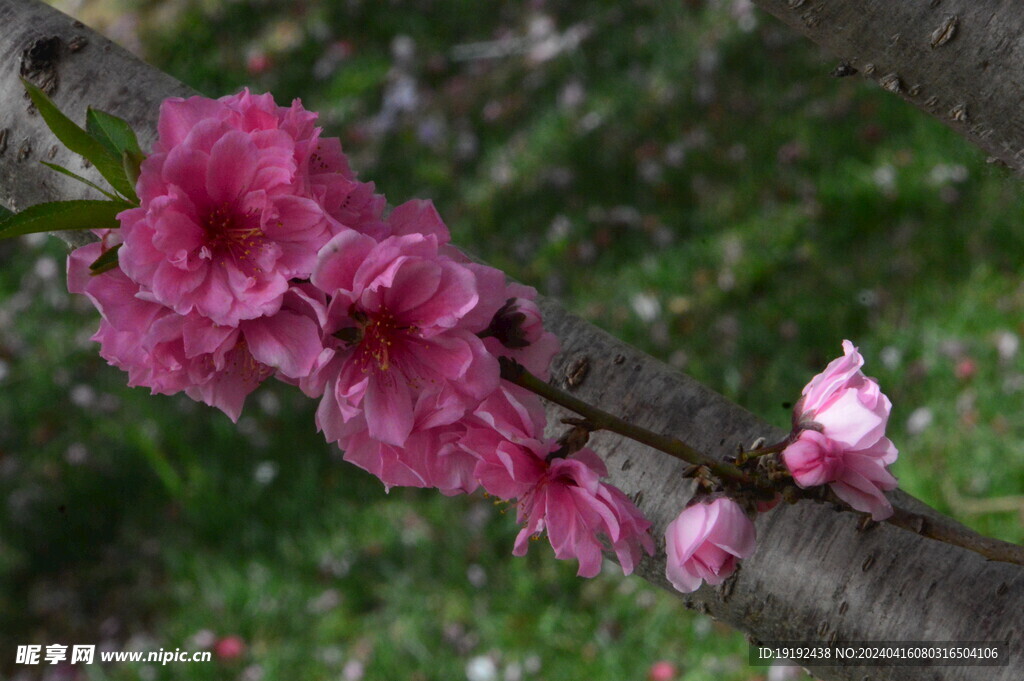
(685, 175)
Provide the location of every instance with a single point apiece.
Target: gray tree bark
(815, 576)
(961, 61)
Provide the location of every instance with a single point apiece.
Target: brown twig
(601, 420)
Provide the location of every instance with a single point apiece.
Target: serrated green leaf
(113, 132)
(81, 142)
(64, 171)
(105, 262)
(62, 215)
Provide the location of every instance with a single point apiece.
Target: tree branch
(960, 61)
(815, 576)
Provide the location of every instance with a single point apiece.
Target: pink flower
(392, 330)
(506, 436)
(572, 504)
(516, 330)
(849, 405)
(257, 63)
(509, 320)
(236, 200)
(562, 496)
(858, 477)
(430, 457)
(843, 416)
(705, 541)
(170, 353)
(417, 216)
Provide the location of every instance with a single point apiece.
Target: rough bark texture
(814, 576)
(78, 68)
(962, 61)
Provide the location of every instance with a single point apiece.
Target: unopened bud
(516, 324)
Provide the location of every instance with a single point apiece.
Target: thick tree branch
(815, 575)
(961, 61)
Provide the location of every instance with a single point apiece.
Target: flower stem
(602, 420)
(762, 451)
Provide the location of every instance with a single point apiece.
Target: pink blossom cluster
(838, 439)
(255, 252)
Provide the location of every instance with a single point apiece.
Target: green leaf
(105, 262)
(62, 215)
(81, 142)
(64, 171)
(132, 164)
(113, 132)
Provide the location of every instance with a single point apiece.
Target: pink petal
(232, 166)
(414, 284)
(178, 117)
(848, 422)
(733, 531)
(184, 168)
(338, 261)
(285, 341)
(389, 408)
(863, 495)
(687, 532)
(418, 216)
(454, 297)
(680, 576)
(811, 459)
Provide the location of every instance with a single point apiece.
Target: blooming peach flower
(858, 477)
(430, 457)
(392, 329)
(849, 405)
(563, 496)
(572, 504)
(170, 353)
(843, 416)
(705, 541)
(236, 200)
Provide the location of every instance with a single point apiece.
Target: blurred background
(684, 174)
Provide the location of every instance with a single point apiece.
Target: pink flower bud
(704, 543)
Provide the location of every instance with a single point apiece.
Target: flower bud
(705, 541)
